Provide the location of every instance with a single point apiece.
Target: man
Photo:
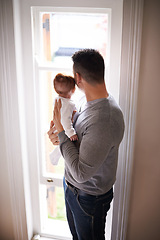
(91, 162)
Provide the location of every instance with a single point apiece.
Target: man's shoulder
(110, 111)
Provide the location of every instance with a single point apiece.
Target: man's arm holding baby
(53, 131)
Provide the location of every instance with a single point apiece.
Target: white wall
(6, 220)
(144, 212)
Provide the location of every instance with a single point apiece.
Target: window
(57, 34)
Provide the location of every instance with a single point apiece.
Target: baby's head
(64, 85)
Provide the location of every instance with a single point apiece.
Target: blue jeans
(86, 215)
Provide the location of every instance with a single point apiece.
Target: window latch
(49, 180)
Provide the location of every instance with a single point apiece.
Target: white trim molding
(10, 114)
(130, 64)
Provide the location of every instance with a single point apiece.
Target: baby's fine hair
(67, 83)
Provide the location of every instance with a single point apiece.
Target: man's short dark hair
(90, 65)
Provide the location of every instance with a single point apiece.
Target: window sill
(38, 237)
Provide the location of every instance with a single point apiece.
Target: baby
(65, 87)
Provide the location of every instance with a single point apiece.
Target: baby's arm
(74, 137)
(68, 111)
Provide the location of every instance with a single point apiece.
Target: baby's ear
(73, 90)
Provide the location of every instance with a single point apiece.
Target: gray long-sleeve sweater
(91, 162)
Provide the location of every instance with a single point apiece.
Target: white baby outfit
(67, 109)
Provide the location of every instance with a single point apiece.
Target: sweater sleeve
(94, 148)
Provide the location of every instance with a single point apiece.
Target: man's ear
(78, 78)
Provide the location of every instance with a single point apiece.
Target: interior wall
(6, 220)
(12, 203)
(6, 223)
(144, 212)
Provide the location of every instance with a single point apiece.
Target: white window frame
(57, 179)
(24, 223)
(113, 75)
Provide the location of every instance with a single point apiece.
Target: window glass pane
(55, 203)
(65, 33)
(53, 213)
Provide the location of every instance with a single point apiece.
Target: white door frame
(17, 167)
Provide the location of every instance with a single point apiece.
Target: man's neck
(95, 92)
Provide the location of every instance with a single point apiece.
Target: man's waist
(82, 193)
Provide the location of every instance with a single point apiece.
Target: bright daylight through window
(57, 35)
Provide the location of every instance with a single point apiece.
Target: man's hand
(74, 137)
(57, 116)
(55, 125)
(53, 134)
